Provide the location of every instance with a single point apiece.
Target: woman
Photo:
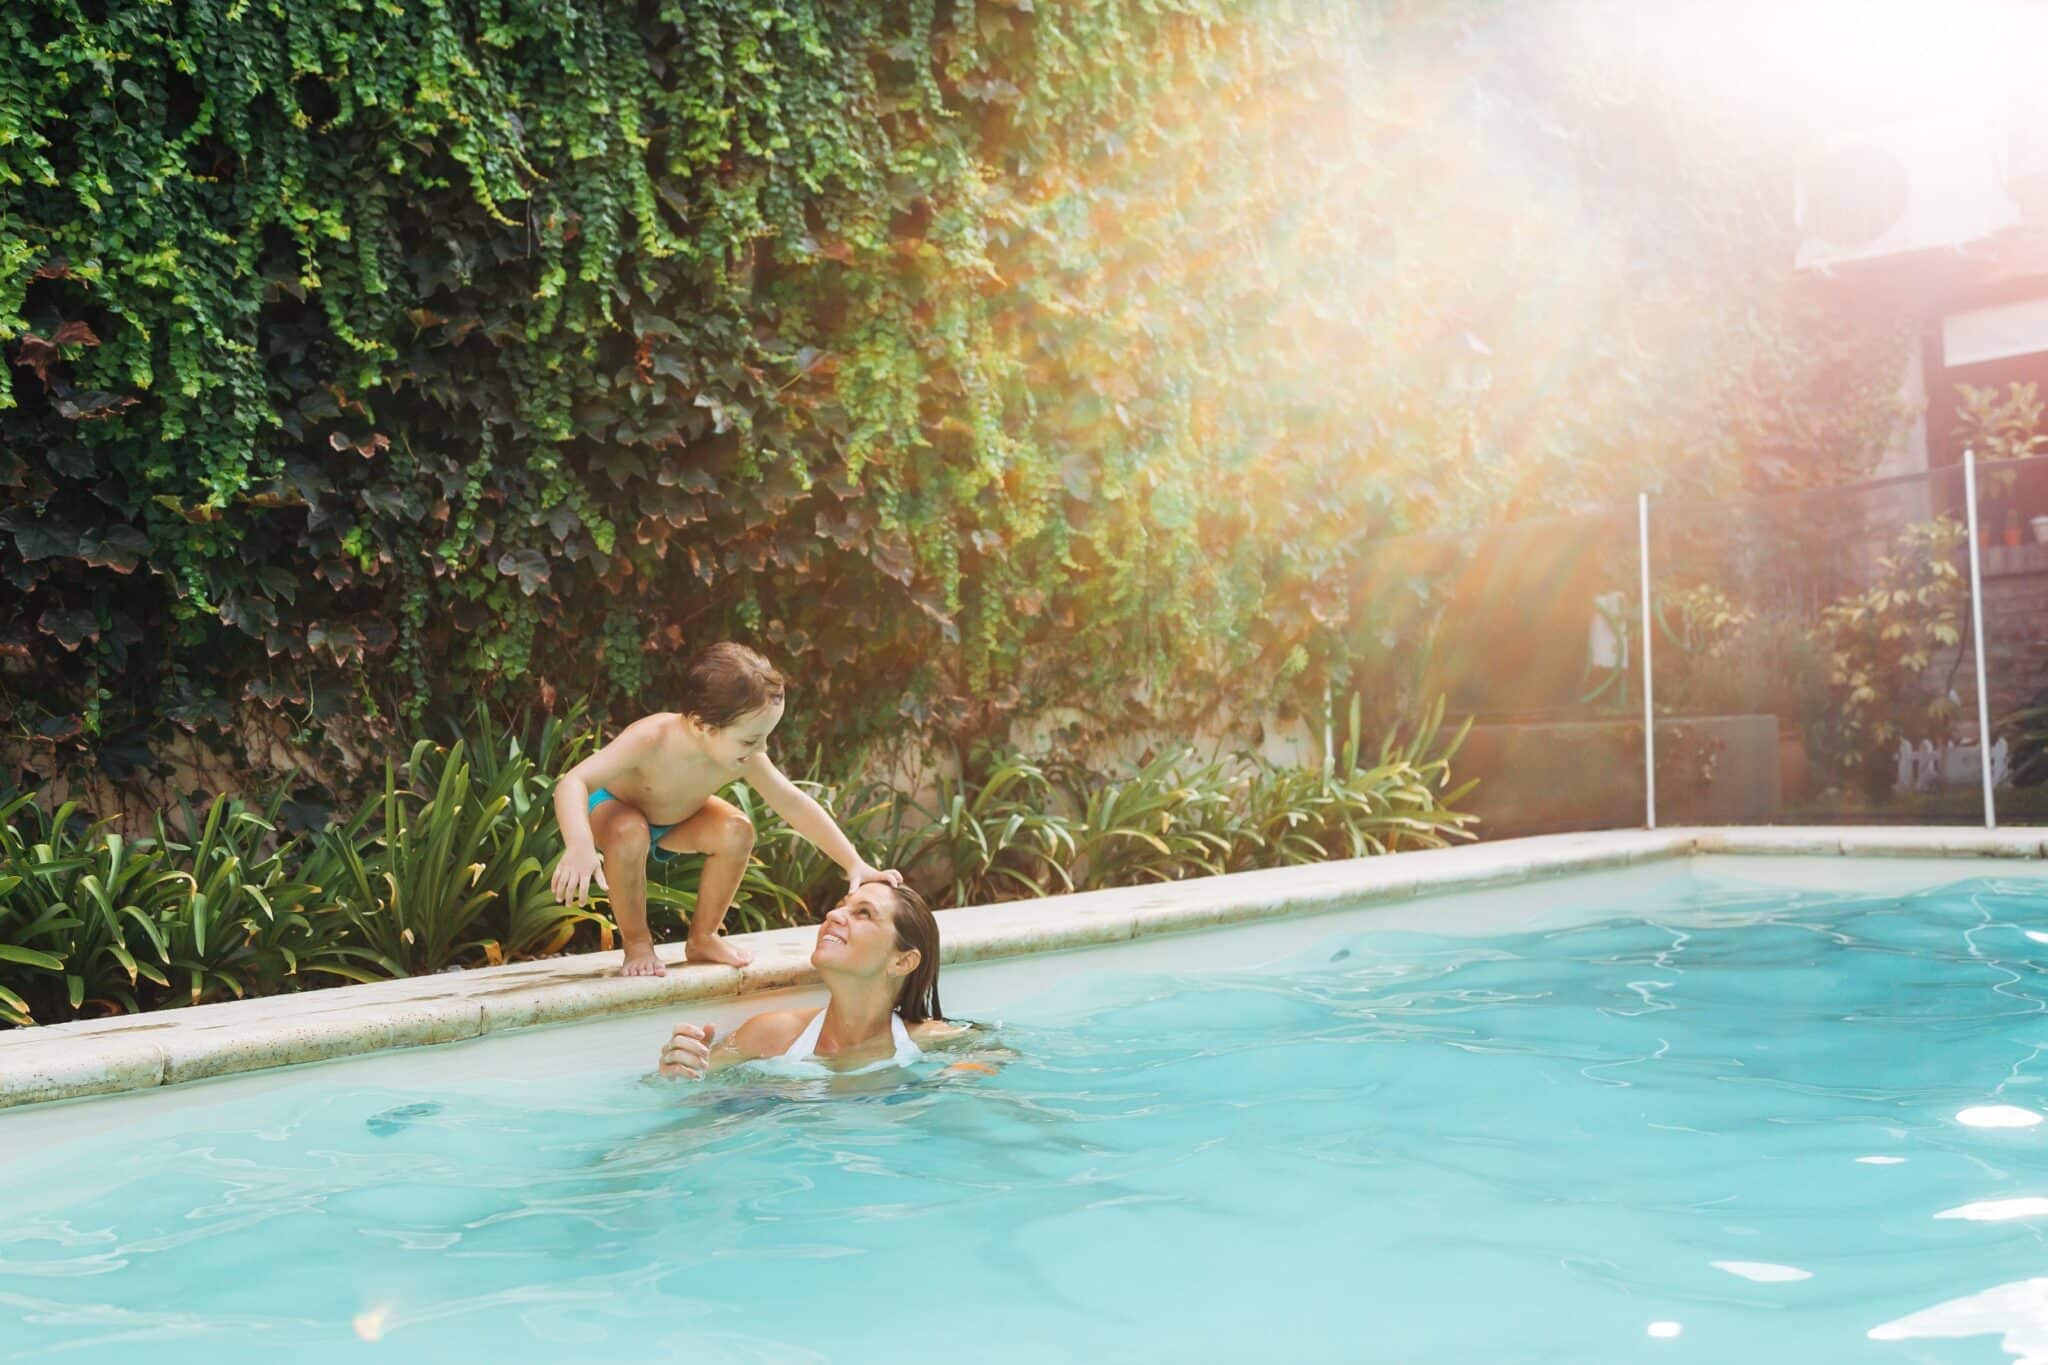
(878, 953)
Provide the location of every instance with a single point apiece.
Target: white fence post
(1977, 634)
(1649, 712)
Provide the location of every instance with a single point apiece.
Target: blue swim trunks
(654, 832)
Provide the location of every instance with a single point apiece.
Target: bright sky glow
(1827, 65)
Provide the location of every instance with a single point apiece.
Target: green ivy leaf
(530, 566)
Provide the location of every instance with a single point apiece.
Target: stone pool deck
(134, 1052)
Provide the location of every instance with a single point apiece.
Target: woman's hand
(861, 874)
(688, 1051)
(573, 874)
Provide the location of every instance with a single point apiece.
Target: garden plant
(445, 865)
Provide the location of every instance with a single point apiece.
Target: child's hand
(573, 873)
(688, 1051)
(863, 874)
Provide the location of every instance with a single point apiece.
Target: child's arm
(615, 761)
(811, 820)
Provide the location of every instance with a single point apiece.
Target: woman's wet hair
(916, 927)
(725, 682)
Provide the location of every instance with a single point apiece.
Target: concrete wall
(1907, 453)
(1580, 775)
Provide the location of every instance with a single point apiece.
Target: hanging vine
(997, 353)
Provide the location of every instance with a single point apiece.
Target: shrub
(1882, 642)
(448, 864)
(791, 879)
(759, 902)
(1161, 823)
(248, 924)
(523, 918)
(84, 910)
(997, 838)
(437, 871)
(1404, 800)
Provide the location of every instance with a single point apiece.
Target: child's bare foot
(642, 962)
(715, 949)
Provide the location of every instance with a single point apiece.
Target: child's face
(743, 738)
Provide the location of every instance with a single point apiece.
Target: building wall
(1954, 363)
(1908, 452)
(2016, 625)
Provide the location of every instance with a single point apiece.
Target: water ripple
(1671, 1117)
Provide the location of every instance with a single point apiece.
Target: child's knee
(735, 834)
(624, 836)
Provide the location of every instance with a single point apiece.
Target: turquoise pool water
(1739, 1124)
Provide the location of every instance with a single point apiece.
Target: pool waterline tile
(78, 1066)
(103, 1056)
(224, 1049)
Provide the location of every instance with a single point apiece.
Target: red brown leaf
(36, 353)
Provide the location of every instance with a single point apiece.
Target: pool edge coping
(74, 1060)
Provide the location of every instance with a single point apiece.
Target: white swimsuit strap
(807, 1042)
(806, 1045)
(906, 1046)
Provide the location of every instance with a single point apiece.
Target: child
(651, 790)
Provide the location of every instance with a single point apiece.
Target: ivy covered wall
(968, 356)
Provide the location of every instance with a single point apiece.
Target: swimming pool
(1725, 1109)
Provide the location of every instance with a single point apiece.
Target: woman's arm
(974, 1046)
(931, 1033)
(690, 1052)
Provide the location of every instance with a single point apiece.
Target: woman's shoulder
(771, 1032)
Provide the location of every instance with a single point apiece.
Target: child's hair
(916, 927)
(725, 682)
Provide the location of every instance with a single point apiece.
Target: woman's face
(858, 937)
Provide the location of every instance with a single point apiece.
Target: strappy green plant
(1403, 800)
(791, 880)
(248, 923)
(84, 909)
(523, 915)
(449, 863)
(1158, 824)
(525, 918)
(759, 902)
(421, 863)
(38, 853)
(549, 749)
(1000, 838)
